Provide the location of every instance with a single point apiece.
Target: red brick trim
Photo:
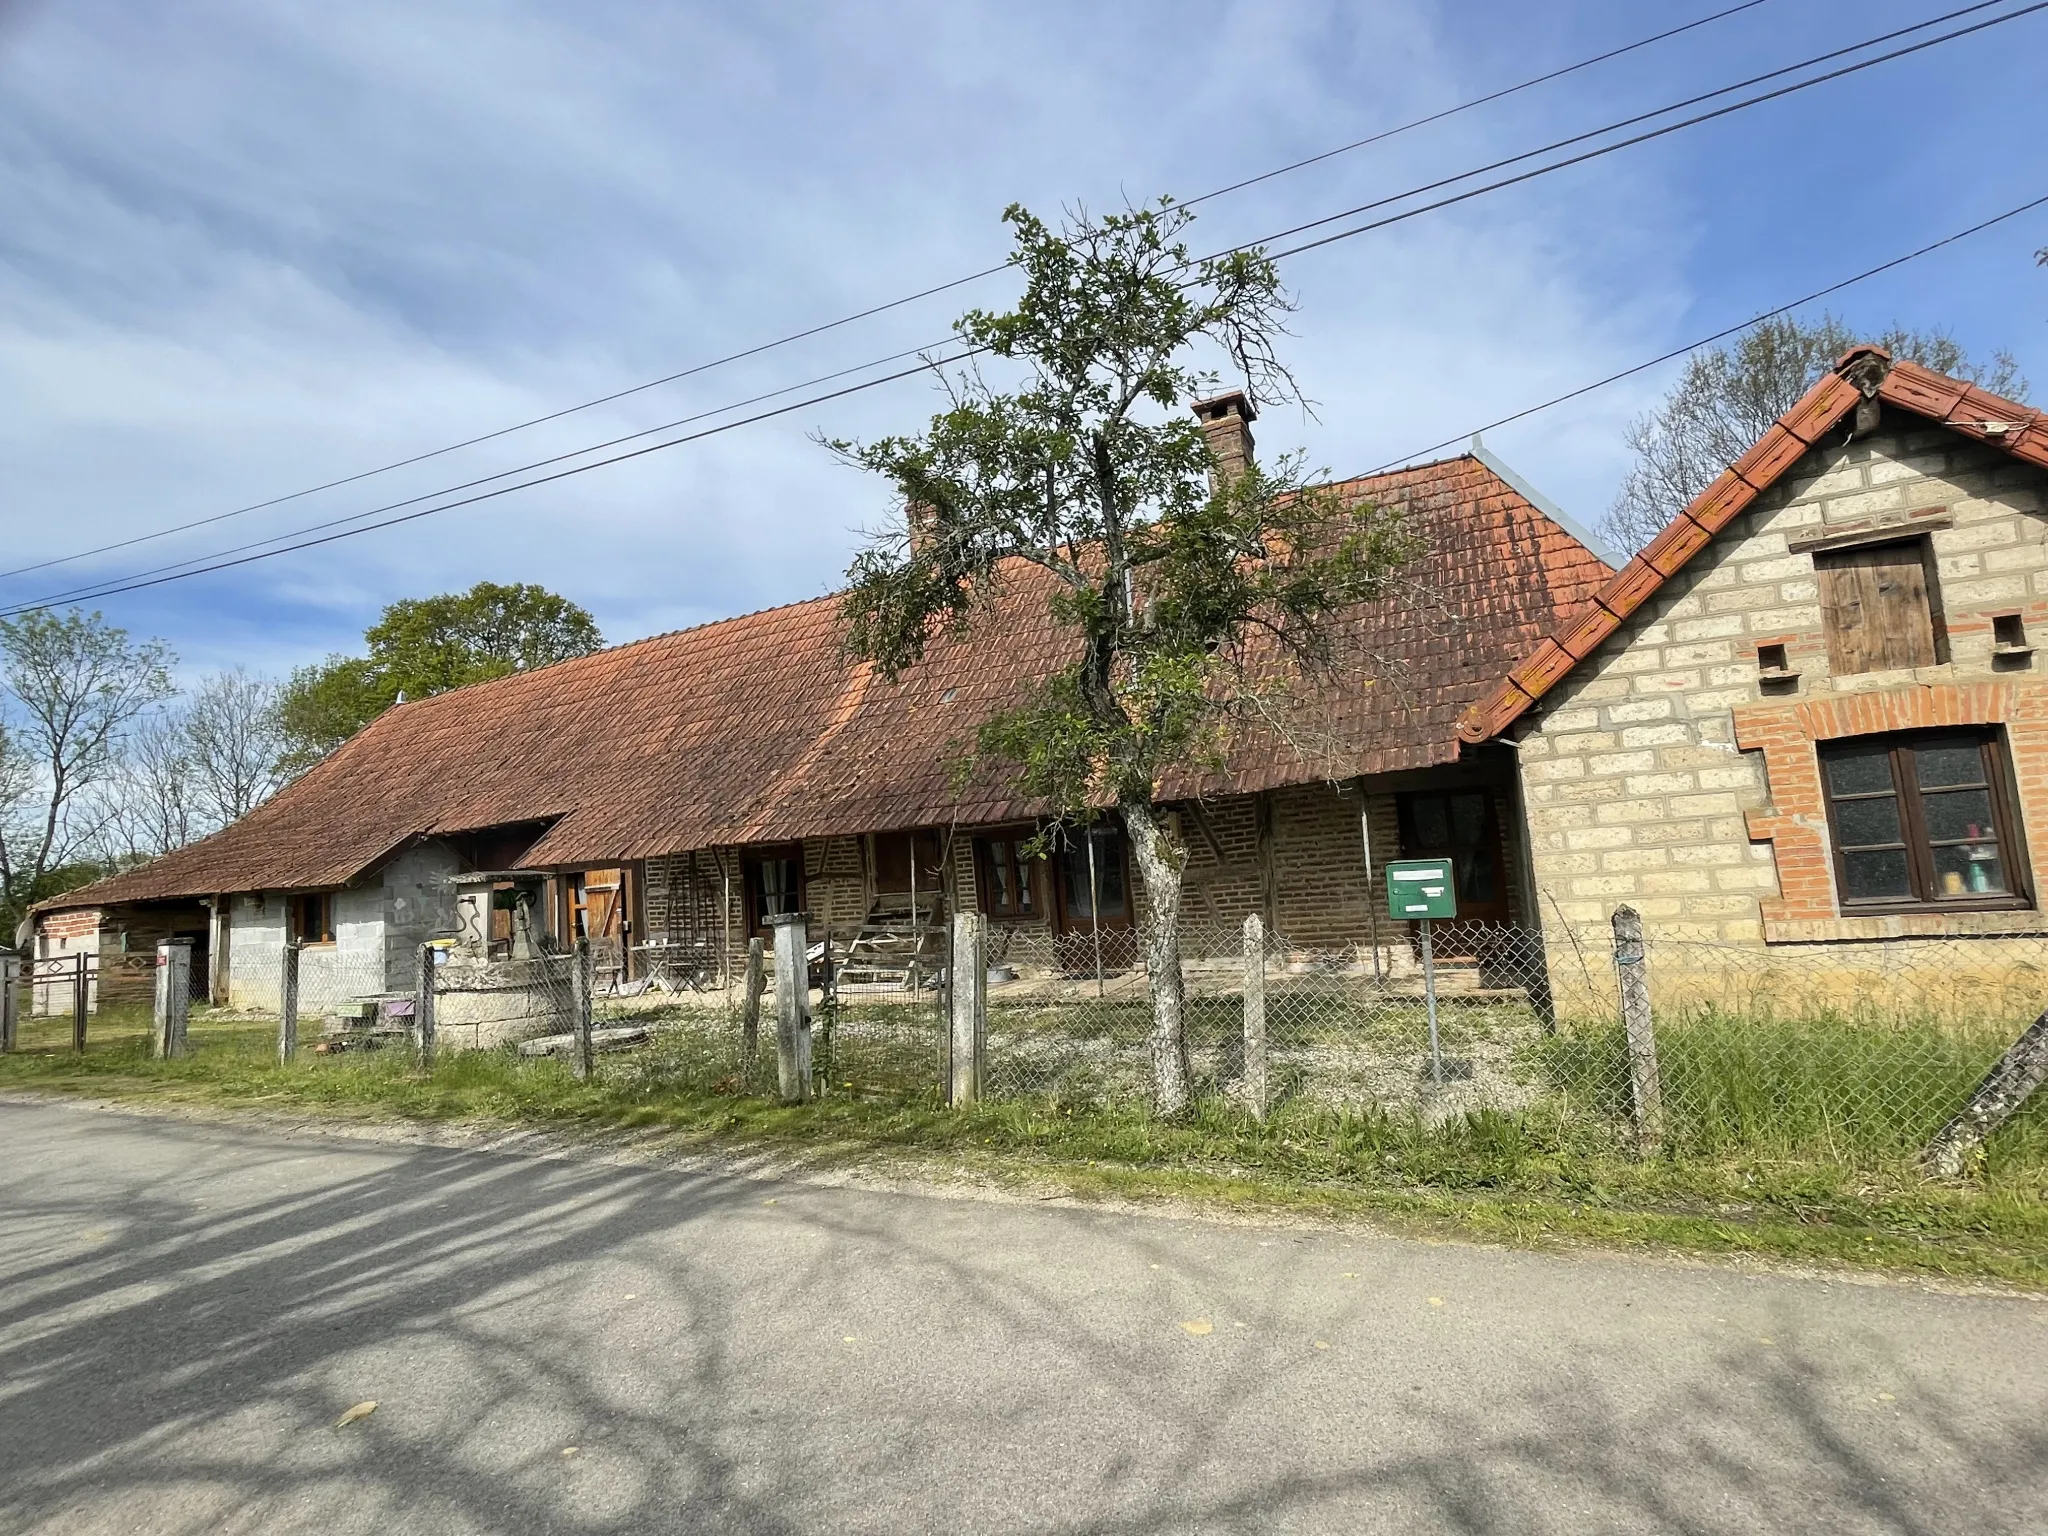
(1795, 823)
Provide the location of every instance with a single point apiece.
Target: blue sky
(247, 247)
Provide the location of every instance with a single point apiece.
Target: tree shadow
(726, 1353)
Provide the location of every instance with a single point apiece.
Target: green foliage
(424, 646)
(1193, 608)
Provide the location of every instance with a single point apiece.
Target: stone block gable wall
(1644, 773)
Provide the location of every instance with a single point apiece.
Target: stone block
(1666, 682)
(1609, 764)
(1624, 860)
(1620, 812)
(1660, 784)
(1597, 839)
(1671, 734)
(1718, 627)
(1635, 711)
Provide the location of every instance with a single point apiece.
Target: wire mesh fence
(1848, 1054)
(1839, 1053)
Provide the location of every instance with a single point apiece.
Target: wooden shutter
(1874, 605)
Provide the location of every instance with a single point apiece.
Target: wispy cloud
(248, 247)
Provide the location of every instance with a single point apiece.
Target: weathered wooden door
(1462, 825)
(597, 904)
(1875, 608)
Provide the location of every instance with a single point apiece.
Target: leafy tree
(1728, 397)
(74, 684)
(424, 646)
(1195, 609)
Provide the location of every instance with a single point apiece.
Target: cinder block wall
(1634, 772)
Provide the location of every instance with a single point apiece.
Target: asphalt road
(186, 1310)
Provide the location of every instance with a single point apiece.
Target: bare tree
(146, 802)
(73, 685)
(1728, 397)
(235, 742)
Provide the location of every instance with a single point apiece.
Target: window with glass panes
(1922, 821)
(1008, 878)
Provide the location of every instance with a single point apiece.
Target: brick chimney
(1227, 423)
(923, 520)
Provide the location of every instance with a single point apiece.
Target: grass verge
(1517, 1179)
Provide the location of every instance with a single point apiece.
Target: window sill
(1968, 923)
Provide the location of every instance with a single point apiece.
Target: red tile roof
(760, 729)
(1971, 411)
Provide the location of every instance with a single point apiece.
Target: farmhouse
(665, 798)
(1812, 710)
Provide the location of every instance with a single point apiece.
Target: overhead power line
(1707, 341)
(316, 534)
(1665, 357)
(1655, 133)
(875, 309)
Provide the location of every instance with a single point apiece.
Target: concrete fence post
(173, 996)
(1255, 1088)
(10, 1000)
(423, 1007)
(1633, 974)
(288, 1001)
(750, 1013)
(792, 1006)
(967, 982)
(580, 979)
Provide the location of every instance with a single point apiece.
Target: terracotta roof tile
(1908, 386)
(760, 728)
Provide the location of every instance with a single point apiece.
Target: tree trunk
(2008, 1085)
(1162, 861)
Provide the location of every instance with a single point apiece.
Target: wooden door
(597, 904)
(895, 853)
(1462, 825)
(1875, 607)
(1101, 900)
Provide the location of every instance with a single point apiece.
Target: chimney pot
(1227, 423)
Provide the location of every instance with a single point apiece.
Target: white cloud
(251, 247)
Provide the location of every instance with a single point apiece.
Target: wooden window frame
(1028, 876)
(296, 924)
(1827, 561)
(1918, 844)
(752, 889)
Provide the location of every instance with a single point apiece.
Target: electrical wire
(1655, 133)
(1707, 341)
(198, 565)
(1819, 293)
(872, 310)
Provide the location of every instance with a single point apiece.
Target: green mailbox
(1421, 888)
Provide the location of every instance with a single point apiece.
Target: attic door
(1876, 606)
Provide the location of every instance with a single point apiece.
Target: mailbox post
(1424, 889)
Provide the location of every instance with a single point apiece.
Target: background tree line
(104, 762)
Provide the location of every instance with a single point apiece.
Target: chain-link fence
(874, 1031)
(1852, 1054)
(1843, 1053)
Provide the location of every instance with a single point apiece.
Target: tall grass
(1859, 1089)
